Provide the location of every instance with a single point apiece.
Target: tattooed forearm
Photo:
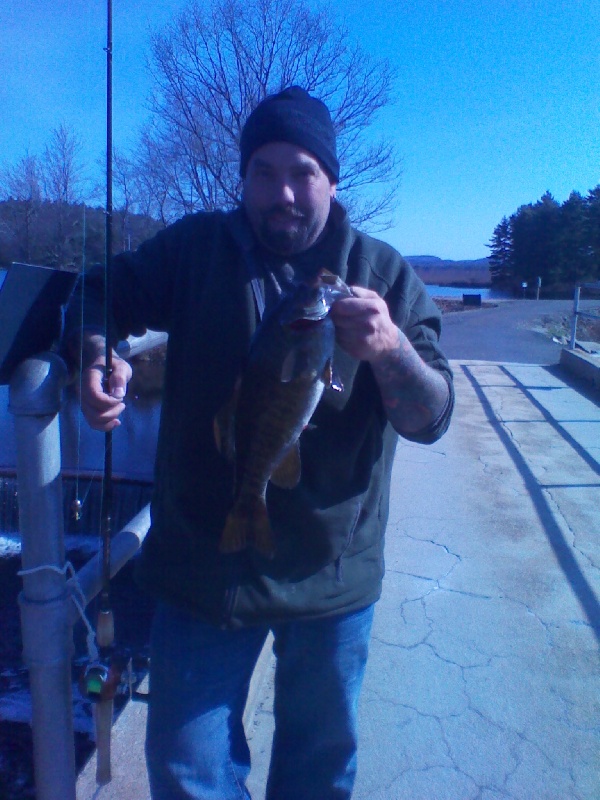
(414, 394)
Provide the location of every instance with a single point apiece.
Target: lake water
(486, 292)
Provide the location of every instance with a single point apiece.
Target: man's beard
(287, 241)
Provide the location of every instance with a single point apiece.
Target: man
(205, 280)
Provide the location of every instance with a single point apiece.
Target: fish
(289, 365)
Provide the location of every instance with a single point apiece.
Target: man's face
(287, 196)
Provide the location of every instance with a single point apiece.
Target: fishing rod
(102, 677)
(106, 627)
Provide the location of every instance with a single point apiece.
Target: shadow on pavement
(577, 580)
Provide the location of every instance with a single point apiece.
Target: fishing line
(77, 504)
(107, 487)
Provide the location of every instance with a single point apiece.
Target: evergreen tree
(592, 231)
(501, 256)
(574, 252)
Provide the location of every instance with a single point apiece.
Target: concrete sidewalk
(483, 679)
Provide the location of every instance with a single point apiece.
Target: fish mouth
(313, 300)
(303, 323)
(333, 286)
(315, 312)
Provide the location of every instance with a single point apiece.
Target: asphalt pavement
(483, 678)
(512, 331)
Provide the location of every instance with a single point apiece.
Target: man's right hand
(102, 409)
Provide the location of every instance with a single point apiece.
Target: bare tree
(41, 195)
(62, 173)
(62, 169)
(23, 180)
(134, 219)
(21, 186)
(124, 185)
(150, 179)
(215, 62)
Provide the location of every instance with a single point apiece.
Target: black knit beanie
(291, 116)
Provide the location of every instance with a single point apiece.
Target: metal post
(575, 315)
(34, 400)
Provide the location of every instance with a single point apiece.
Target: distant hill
(433, 262)
(444, 272)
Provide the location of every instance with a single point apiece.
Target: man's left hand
(364, 328)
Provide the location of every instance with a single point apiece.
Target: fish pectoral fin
(286, 474)
(327, 374)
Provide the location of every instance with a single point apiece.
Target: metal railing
(577, 312)
(47, 607)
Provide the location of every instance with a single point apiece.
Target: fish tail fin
(233, 538)
(248, 523)
(263, 535)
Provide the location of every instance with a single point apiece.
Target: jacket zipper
(339, 572)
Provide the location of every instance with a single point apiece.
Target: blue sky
(497, 100)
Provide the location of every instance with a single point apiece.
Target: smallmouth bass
(290, 363)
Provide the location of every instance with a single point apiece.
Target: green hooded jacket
(193, 280)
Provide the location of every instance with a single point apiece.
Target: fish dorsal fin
(286, 474)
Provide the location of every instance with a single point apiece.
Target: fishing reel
(112, 676)
(101, 679)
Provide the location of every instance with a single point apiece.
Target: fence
(48, 600)
(577, 312)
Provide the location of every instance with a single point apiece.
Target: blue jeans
(196, 748)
